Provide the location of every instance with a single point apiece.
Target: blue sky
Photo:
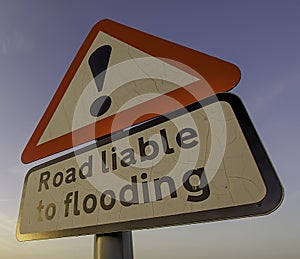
(39, 39)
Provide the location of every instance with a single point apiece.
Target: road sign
(120, 77)
(199, 163)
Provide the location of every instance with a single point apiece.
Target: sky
(38, 41)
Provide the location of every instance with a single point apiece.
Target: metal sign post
(113, 246)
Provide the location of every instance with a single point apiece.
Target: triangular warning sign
(120, 77)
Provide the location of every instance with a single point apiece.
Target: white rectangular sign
(200, 163)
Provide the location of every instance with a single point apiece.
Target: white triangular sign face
(131, 74)
(122, 77)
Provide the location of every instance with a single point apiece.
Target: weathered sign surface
(200, 163)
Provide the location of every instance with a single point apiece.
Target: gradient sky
(38, 41)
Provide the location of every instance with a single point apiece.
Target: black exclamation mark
(98, 63)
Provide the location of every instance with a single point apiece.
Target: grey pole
(113, 246)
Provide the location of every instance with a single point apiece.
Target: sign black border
(271, 201)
